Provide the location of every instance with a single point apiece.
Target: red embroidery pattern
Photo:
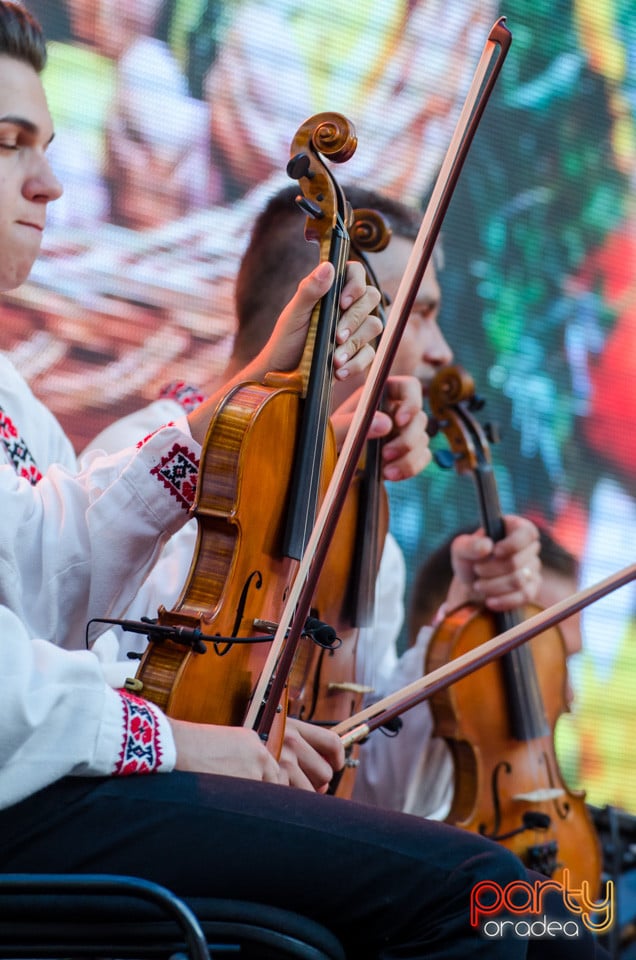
(179, 471)
(183, 393)
(17, 450)
(140, 749)
(145, 440)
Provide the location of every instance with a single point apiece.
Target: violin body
(500, 776)
(322, 684)
(239, 577)
(328, 692)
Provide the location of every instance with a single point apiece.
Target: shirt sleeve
(129, 429)
(40, 440)
(377, 655)
(79, 545)
(59, 718)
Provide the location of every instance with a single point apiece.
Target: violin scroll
(369, 231)
(450, 385)
(452, 401)
(329, 135)
(335, 136)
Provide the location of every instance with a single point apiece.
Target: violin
(264, 704)
(499, 722)
(323, 687)
(369, 233)
(265, 464)
(329, 692)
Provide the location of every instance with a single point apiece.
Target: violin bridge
(541, 795)
(349, 687)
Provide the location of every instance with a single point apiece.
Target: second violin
(499, 722)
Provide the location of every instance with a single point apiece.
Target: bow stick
(269, 689)
(358, 726)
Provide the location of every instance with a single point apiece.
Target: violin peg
(433, 426)
(445, 459)
(300, 166)
(476, 403)
(311, 209)
(493, 432)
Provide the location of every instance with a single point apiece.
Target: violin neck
(525, 703)
(360, 604)
(316, 371)
(489, 505)
(371, 529)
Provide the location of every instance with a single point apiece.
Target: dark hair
(555, 557)
(21, 36)
(278, 257)
(433, 578)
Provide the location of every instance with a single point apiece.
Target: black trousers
(388, 885)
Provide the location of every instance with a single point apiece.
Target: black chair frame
(66, 916)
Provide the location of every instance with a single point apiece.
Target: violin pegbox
(324, 136)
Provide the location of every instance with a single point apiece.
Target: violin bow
(269, 690)
(359, 726)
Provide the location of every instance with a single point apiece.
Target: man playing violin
(76, 755)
